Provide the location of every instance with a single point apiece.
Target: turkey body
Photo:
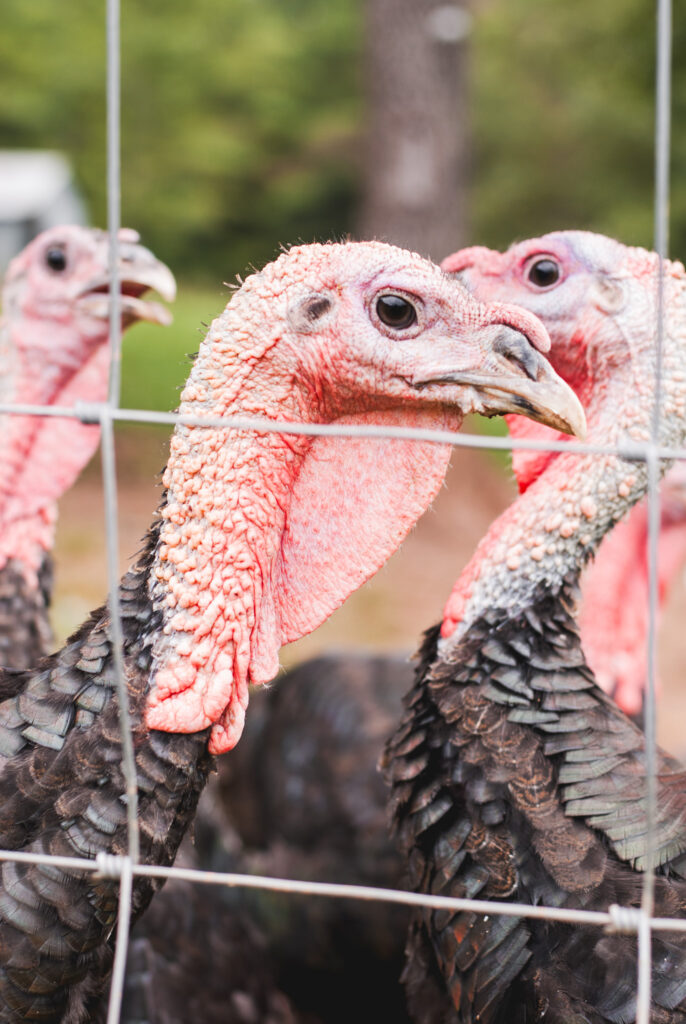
(25, 631)
(510, 774)
(196, 957)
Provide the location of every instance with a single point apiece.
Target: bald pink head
(53, 351)
(586, 288)
(264, 535)
(594, 295)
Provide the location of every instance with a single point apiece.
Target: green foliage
(242, 119)
(238, 117)
(155, 360)
(564, 124)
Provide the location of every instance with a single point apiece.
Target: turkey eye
(55, 258)
(395, 312)
(544, 273)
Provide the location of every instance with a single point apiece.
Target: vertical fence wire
(661, 244)
(113, 85)
(121, 942)
(113, 81)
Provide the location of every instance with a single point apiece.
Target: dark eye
(544, 272)
(395, 312)
(56, 258)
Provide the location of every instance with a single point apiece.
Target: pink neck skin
(41, 457)
(621, 568)
(264, 536)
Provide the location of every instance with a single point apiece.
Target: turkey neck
(40, 457)
(212, 575)
(549, 533)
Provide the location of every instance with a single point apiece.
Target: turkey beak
(522, 382)
(139, 271)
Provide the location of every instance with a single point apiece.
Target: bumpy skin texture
(513, 775)
(53, 351)
(613, 617)
(212, 556)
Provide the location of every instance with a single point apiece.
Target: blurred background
(248, 124)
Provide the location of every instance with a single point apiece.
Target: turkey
(260, 535)
(514, 777)
(534, 274)
(53, 351)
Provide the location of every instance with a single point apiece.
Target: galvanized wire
(91, 412)
(109, 476)
(661, 246)
(121, 941)
(616, 918)
(113, 16)
(114, 191)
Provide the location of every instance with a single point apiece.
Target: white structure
(36, 192)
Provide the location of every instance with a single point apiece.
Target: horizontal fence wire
(96, 412)
(616, 918)
(107, 414)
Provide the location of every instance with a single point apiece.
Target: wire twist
(109, 865)
(624, 920)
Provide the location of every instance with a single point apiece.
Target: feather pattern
(61, 791)
(538, 804)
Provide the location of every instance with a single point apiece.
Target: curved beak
(522, 381)
(139, 272)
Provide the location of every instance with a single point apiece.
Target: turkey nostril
(517, 349)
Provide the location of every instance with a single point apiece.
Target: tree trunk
(417, 151)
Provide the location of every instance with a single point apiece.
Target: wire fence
(639, 921)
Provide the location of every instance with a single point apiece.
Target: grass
(155, 359)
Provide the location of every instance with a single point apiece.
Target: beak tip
(577, 419)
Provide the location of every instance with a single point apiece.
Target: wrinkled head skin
(264, 535)
(53, 351)
(596, 298)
